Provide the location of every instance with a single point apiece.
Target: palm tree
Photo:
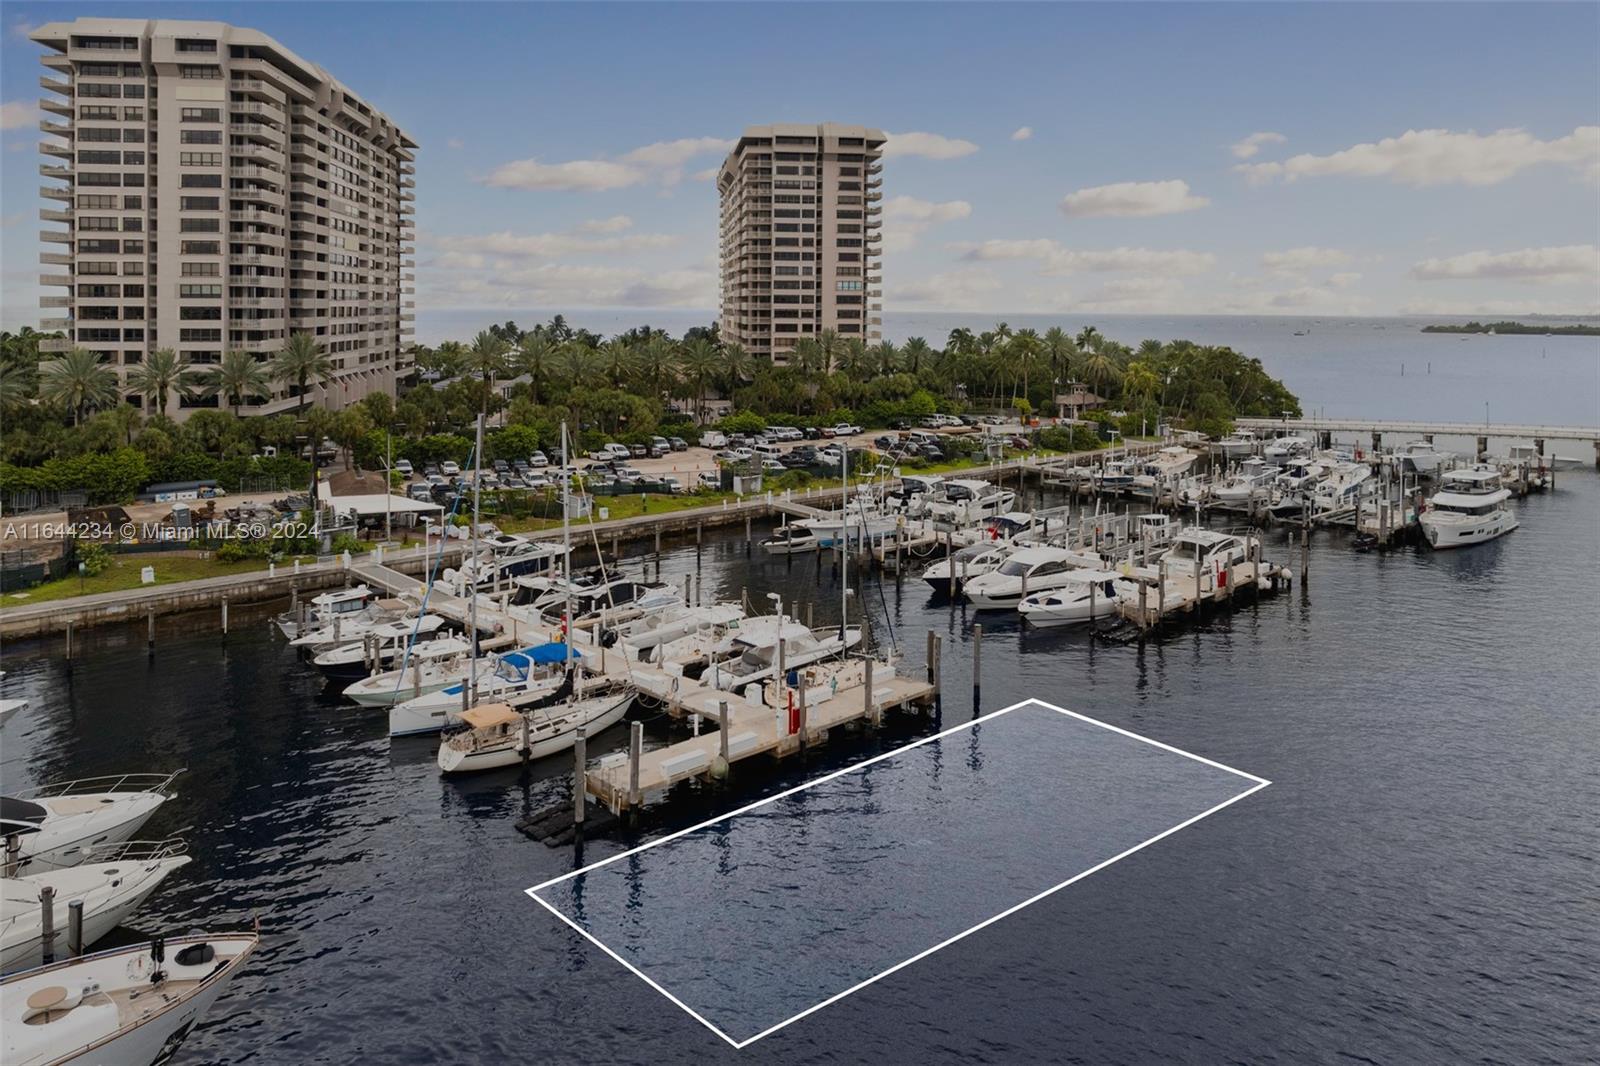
(735, 366)
(163, 372)
(1059, 350)
(1140, 382)
(854, 361)
(886, 358)
(238, 375)
(16, 386)
(302, 361)
(535, 352)
(1089, 339)
(487, 358)
(829, 346)
(915, 355)
(1026, 350)
(808, 356)
(450, 358)
(578, 363)
(78, 380)
(1099, 367)
(654, 363)
(616, 359)
(700, 365)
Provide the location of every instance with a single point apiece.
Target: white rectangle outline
(1260, 783)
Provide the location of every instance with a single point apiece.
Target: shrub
(94, 558)
(742, 422)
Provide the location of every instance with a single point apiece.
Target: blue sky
(1086, 158)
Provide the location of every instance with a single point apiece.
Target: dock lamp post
(83, 568)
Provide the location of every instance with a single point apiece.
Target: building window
(199, 290)
(100, 158)
(200, 159)
(189, 44)
(201, 137)
(201, 181)
(201, 270)
(201, 248)
(199, 114)
(200, 225)
(97, 90)
(195, 73)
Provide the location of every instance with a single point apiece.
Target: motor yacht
(388, 644)
(1115, 475)
(1204, 550)
(1027, 570)
(1341, 487)
(1238, 444)
(55, 826)
(1282, 450)
(131, 1005)
(750, 653)
(501, 559)
(429, 666)
(322, 610)
(791, 540)
(111, 885)
(1251, 482)
(973, 561)
(1083, 597)
(1166, 467)
(1420, 457)
(1469, 508)
(347, 626)
(968, 503)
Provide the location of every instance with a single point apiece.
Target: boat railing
(95, 785)
(137, 850)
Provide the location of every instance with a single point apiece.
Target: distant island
(1517, 327)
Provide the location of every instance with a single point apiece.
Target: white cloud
(614, 224)
(1133, 294)
(963, 289)
(1056, 259)
(1510, 309)
(566, 285)
(1248, 147)
(905, 218)
(18, 114)
(550, 245)
(1545, 266)
(1023, 133)
(927, 145)
(1298, 260)
(661, 162)
(1436, 157)
(1344, 279)
(1131, 199)
(708, 174)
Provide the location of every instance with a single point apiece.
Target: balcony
(259, 130)
(272, 259)
(50, 170)
(270, 112)
(52, 347)
(51, 325)
(60, 129)
(255, 301)
(56, 279)
(55, 259)
(56, 85)
(246, 154)
(55, 301)
(268, 174)
(47, 215)
(56, 148)
(56, 105)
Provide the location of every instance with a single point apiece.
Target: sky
(1366, 159)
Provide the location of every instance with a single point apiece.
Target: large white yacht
(1344, 483)
(967, 503)
(1469, 508)
(1031, 570)
(534, 672)
(974, 560)
(1085, 596)
(57, 826)
(130, 1005)
(1420, 457)
(1250, 482)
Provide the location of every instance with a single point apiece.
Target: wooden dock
(1170, 595)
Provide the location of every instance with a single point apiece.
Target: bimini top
(554, 652)
(487, 715)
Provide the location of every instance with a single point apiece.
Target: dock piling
(873, 713)
(150, 628)
(69, 642)
(416, 679)
(722, 734)
(635, 753)
(977, 663)
(75, 928)
(580, 787)
(47, 923)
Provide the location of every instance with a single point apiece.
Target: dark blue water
(1417, 886)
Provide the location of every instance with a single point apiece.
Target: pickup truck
(845, 429)
(611, 451)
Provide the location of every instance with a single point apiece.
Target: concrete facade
(222, 194)
(801, 237)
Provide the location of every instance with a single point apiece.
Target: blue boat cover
(554, 652)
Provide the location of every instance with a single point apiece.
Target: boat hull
(452, 761)
(1443, 535)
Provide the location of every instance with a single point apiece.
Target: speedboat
(345, 627)
(1469, 508)
(324, 608)
(974, 560)
(549, 600)
(131, 1005)
(1115, 475)
(1238, 444)
(1420, 457)
(1252, 481)
(791, 540)
(1027, 570)
(1085, 596)
(531, 672)
(496, 734)
(56, 826)
(388, 643)
(503, 557)
(1197, 549)
(1344, 484)
(916, 491)
(428, 667)
(111, 885)
(1166, 467)
(641, 638)
(1282, 450)
(750, 653)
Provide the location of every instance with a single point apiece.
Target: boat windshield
(1015, 568)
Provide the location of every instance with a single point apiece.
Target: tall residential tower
(800, 236)
(221, 193)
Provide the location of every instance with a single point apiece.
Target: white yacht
(57, 825)
(502, 558)
(549, 599)
(1469, 508)
(111, 885)
(492, 735)
(1115, 475)
(1420, 457)
(1281, 450)
(1028, 569)
(968, 503)
(536, 671)
(430, 666)
(346, 626)
(1238, 444)
(973, 561)
(1205, 550)
(1166, 467)
(389, 642)
(1083, 597)
(640, 638)
(1250, 482)
(324, 608)
(750, 653)
(791, 540)
(1344, 483)
(916, 491)
(131, 1006)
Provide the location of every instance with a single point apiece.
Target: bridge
(1482, 431)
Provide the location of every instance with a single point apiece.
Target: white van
(767, 451)
(713, 438)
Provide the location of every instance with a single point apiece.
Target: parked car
(813, 433)
(671, 484)
(772, 466)
(501, 466)
(830, 457)
(845, 429)
(786, 433)
(450, 468)
(794, 460)
(403, 466)
(900, 423)
(431, 470)
(659, 446)
(638, 451)
(419, 490)
(678, 444)
(538, 460)
(931, 452)
(886, 442)
(736, 455)
(710, 479)
(611, 451)
(713, 438)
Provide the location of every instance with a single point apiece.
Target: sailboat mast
(844, 526)
(472, 580)
(566, 538)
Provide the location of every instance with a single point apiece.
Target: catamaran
(131, 1005)
(1469, 508)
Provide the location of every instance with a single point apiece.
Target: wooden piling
(931, 639)
(873, 713)
(224, 616)
(69, 642)
(416, 678)
(580, 788)
(47, 923)
(150, 629)
(977, 662)
(722, 731)
(635, 753)
(75, 928)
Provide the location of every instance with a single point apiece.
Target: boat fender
(608, 638)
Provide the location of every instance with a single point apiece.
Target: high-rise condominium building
(221, 193)
(800, 236)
